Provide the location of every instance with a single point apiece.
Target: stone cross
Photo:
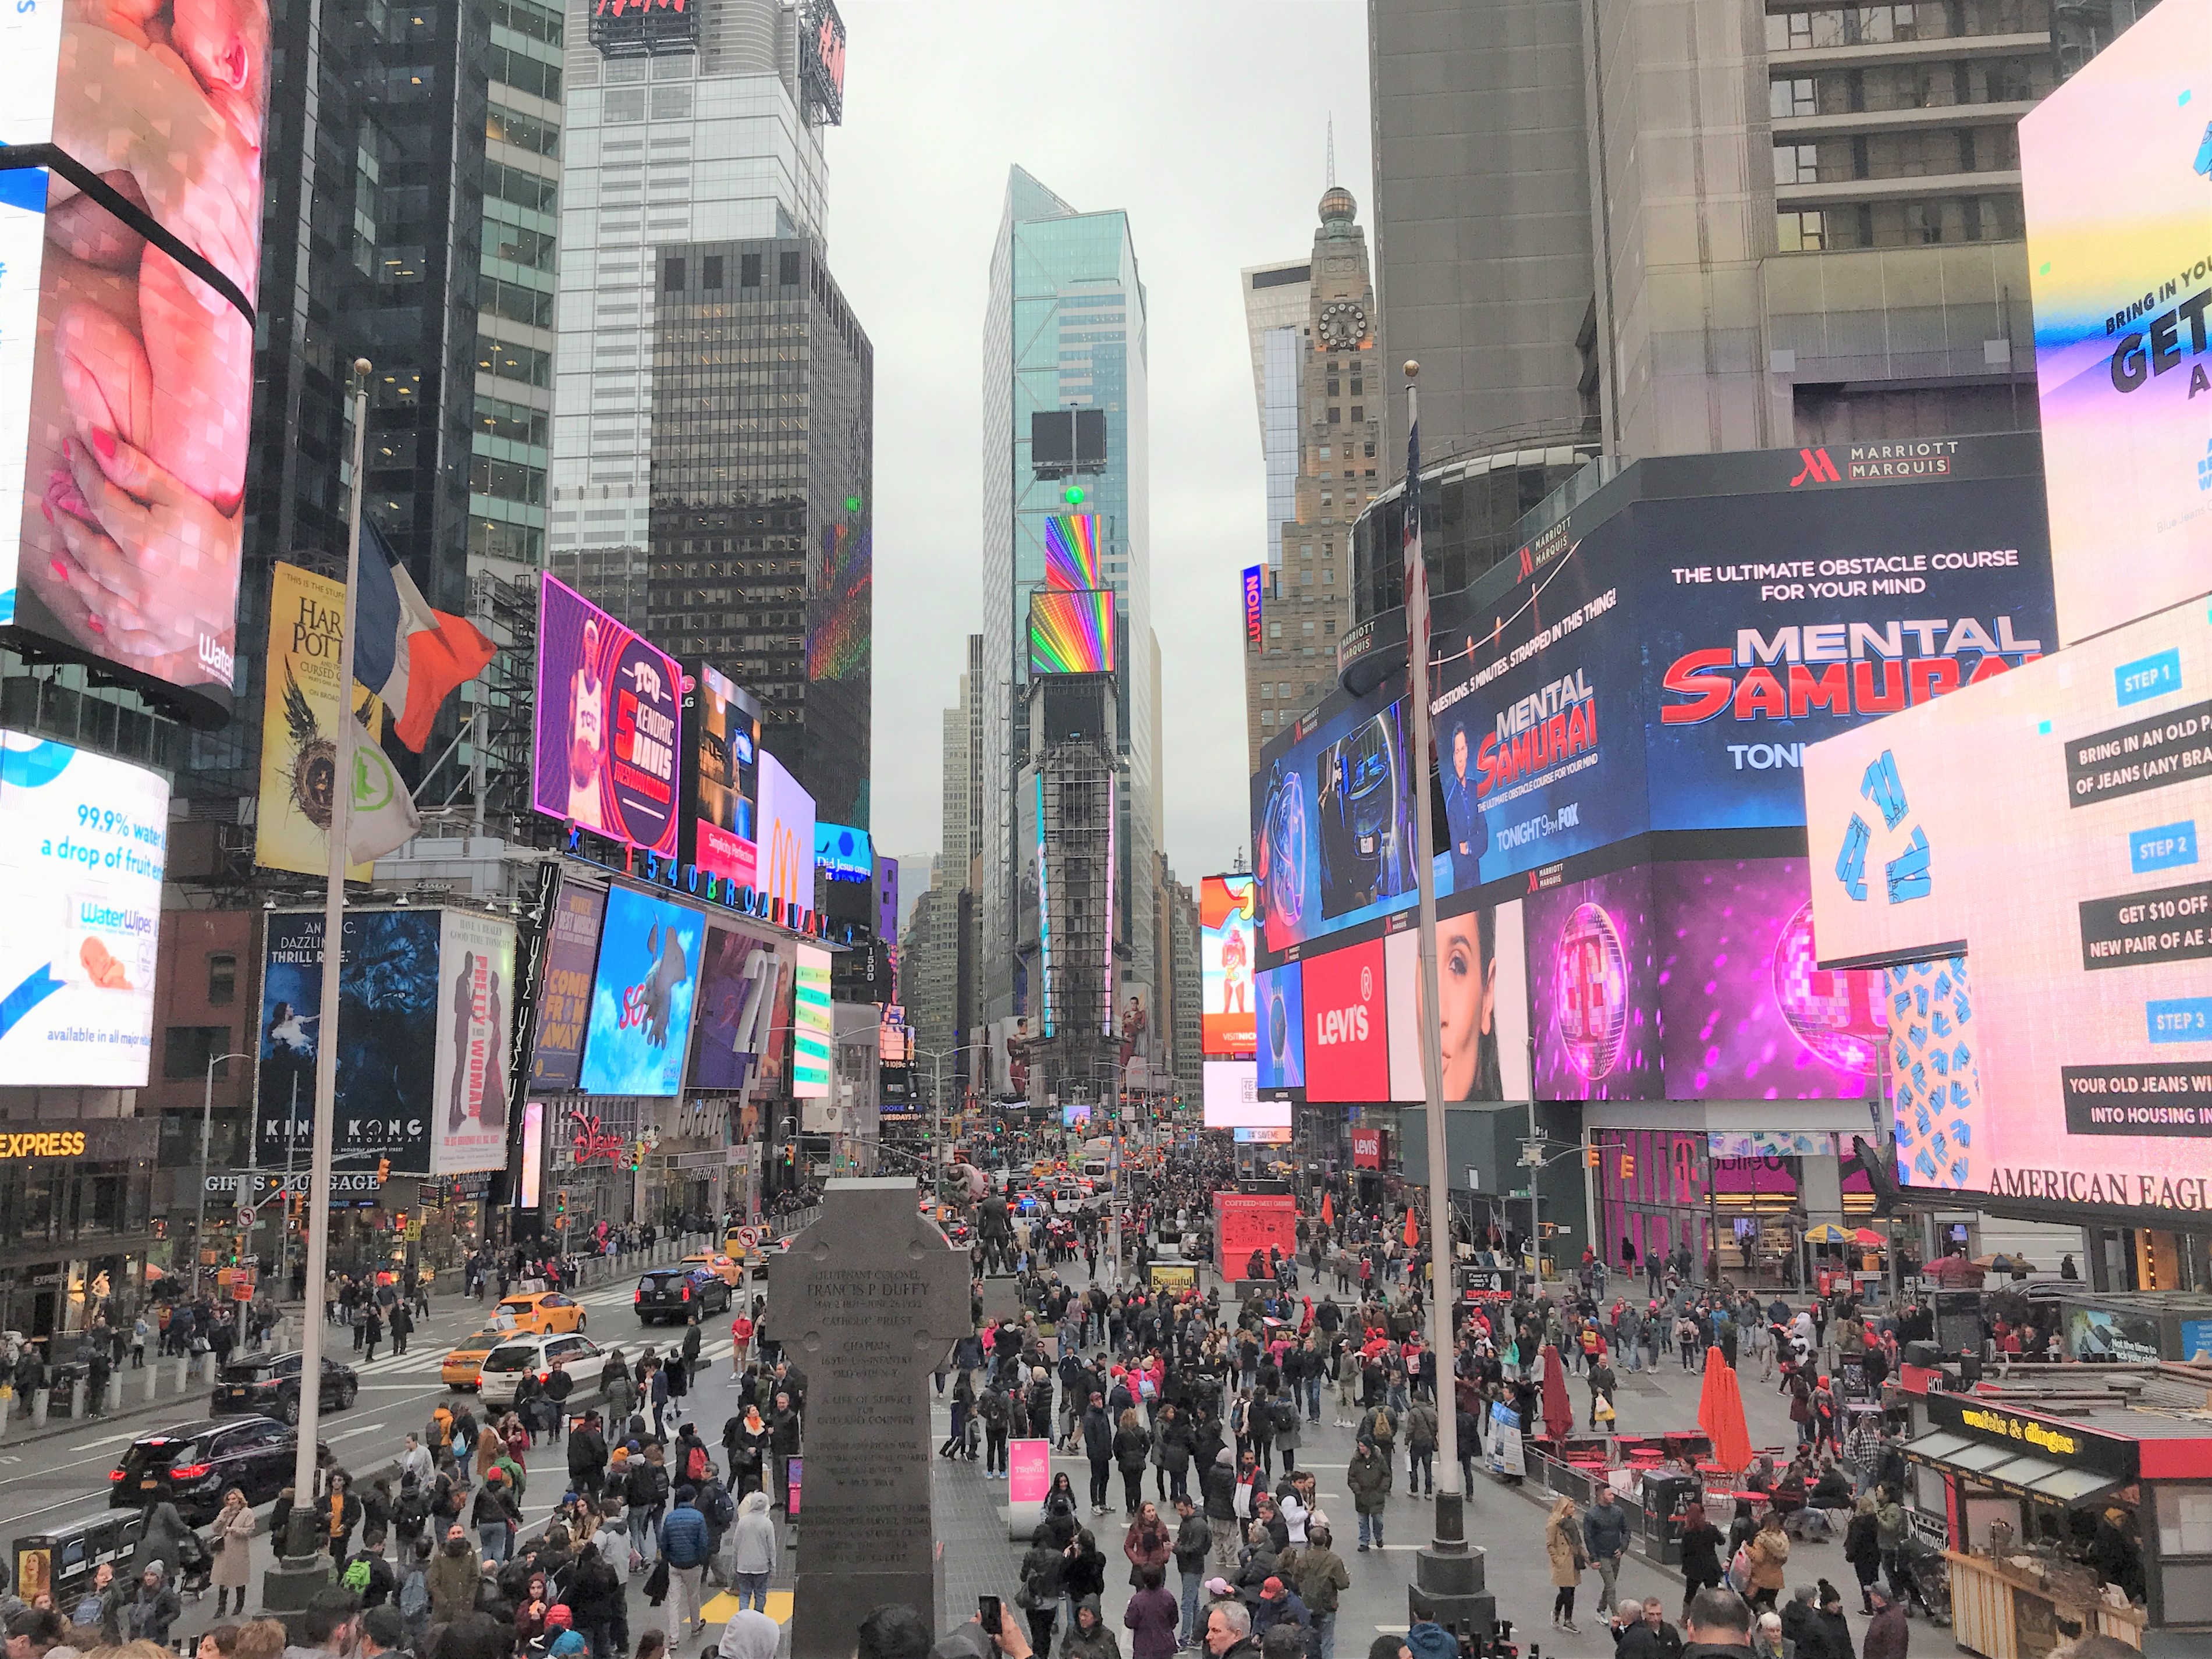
(868, 1300)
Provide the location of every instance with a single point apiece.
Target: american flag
(1417, 575)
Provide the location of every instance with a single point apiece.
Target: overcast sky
(1207, 123)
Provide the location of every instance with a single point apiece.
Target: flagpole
(301, 1536)
(1450, 1539)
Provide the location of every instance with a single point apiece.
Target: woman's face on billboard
(1467, 988)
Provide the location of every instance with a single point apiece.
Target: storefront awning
(1999, 1466)
(2075, 1487)
(1975, 1458)
(1936, 1447)
(2018, 1475)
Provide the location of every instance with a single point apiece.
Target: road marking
(112, 1440)
(366, 1428)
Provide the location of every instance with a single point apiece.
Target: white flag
(384, 815)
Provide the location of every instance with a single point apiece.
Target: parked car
(679, 1295)
(268, 1385)
(586, 1361)
(193, 1464)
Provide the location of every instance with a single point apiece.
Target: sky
(1208, 124)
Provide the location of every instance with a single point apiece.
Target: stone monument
(867, 1300)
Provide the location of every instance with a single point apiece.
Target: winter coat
(1145, 1550)
(1368, 1475)
(683, 1537)
(1421, 1426)
(1830, 1638)
(1888, 1634)
(1098, 1434)
(594, 1596)
(1131, 1448)
(1219, 1486)
(1290, 1610)
(1150, 1618)
(1322, 1579)
(147, 1618)
(453, 1578)
(1192, 1540)
(1769, 1553)
(233, 1562)
(1566, 1550)
(1100, 1643)
(1862, 1540)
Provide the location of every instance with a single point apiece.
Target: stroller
(195, 1567)
(1926, 1579)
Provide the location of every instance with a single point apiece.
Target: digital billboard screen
(813, 1027)
(642, 995)
(127, 319)
(1072, 564)
(1347, 1024)
(1633, 681)
(1232, 1098)
(785, 866)
(2113, 172)
(564, 986)
(1227, 948)
(739, 1026)
(1282, 1028)
(842, 853)
(1071, 633)
(1594, 988)
(609, 724)
(721, 776)
(1483, 994)
(2047, 826)
(476, 1009)
(83, 841)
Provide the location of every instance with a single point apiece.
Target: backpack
(414, 1596)
(1383, 1430)
(697, 1466)
(1286, 1417)
(356, 1575)
(720, 1510)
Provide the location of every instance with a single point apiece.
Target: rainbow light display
(1071, 633)
(1071, 553)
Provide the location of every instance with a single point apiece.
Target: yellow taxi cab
(464, 1366)
(541, 1313)
(728, 1268)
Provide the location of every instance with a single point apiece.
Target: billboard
(813, 1032)
(83, 840)
(389, 990)
(475, 1009)
(1071, 633)
(564, 991)
(1347, 1024)
(1232, 1098)
(2045, 826)
(1253, 592)
(1629, 680)
(785, 867)
(1483, 1039)
(1226, 950)
(609, 724)
(1282, 1028)
(129, 340)
(842, 853)
(1072, 564)
(739, 1023)
(1333, 821)
(721, 776)
(642, 995)
(1594, 989)
(2113, 168)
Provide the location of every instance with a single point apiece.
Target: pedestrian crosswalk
(422, 1360)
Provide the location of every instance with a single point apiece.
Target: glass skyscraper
(1066, 327)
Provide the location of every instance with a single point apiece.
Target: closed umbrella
(1558, 1410)
(1327, 1212)
(1720, 1414)
(1412, 1232)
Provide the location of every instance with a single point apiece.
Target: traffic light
(399, 1221)
(561, 1206)
(1627, 1167)
(382, 1170)
(1590, 1155)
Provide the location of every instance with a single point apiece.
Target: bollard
(77, 1400)
(39, 1408)
(183, 1374)
(152, 1380)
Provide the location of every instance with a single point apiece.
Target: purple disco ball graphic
(1836, 1013)
(1593, 991)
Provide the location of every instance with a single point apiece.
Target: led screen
(1594, 990)
(642, 995)
(533, 1153)
(2048, 826)
(564, 986)
(389, 992)
(1282, 1028)
(476, 1006)
(722, 781)
(1071, 553)
(738, 1024)
(1935, 1081)
(1252, 592)
(82, 844)
(842, 853)
(813, 1034)
(608, 725)
(1333, 812)
(1071, 633)
(2117, 173)
(1636, 679)
(1232, 1098)
(785, 870)
(129, 361)
(1227, 947)
(1347, 1025)
(1482, 1041)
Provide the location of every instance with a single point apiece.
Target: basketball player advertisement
(1227, 948)
(475, 1011)
(608, 723)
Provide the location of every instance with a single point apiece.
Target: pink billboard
(608, 721)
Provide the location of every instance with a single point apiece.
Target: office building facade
(1065, 326)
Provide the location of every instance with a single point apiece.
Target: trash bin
(64, 1561)
(1665, 1498)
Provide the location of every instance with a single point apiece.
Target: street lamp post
(207, 1121)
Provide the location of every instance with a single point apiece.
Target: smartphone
(987, 1614)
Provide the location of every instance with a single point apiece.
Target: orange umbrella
(1327, 1212)
(1558, 1410)
(1720, 1414)
(1412, 1233)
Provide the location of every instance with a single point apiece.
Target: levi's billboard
(1659, 658)
(1347, 1025)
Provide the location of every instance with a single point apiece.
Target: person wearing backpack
(1287, 1420)
(1420, 1447)
(645, 1489)
(413, 1599)
(720, 1510)
(370, 1576)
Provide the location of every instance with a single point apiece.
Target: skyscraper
(718, 143)
(1065, 327)
(1276, 316)
(763, 483)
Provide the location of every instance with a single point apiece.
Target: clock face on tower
(1343, 324)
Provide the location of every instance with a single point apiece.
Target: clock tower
(1307, 601)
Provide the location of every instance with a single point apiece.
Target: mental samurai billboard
(127, 276)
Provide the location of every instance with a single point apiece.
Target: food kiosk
(2075, 1499)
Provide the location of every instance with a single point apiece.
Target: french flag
(411, 657)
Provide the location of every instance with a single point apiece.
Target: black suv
(268, 1385)
(680, 1295)
(193, 1464)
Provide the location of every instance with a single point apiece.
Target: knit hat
(568, 1642)
(559, 1616)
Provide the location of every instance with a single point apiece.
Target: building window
(710, 272)
(1266, 717)
(1796, 164)
(1333, 384)
(671, 276)
(749, 270)
(187, 1049)
(1334, 415)
(222, 979)
(1801, 233)
(787, 269)
(1357, 414)
(1791, 97)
